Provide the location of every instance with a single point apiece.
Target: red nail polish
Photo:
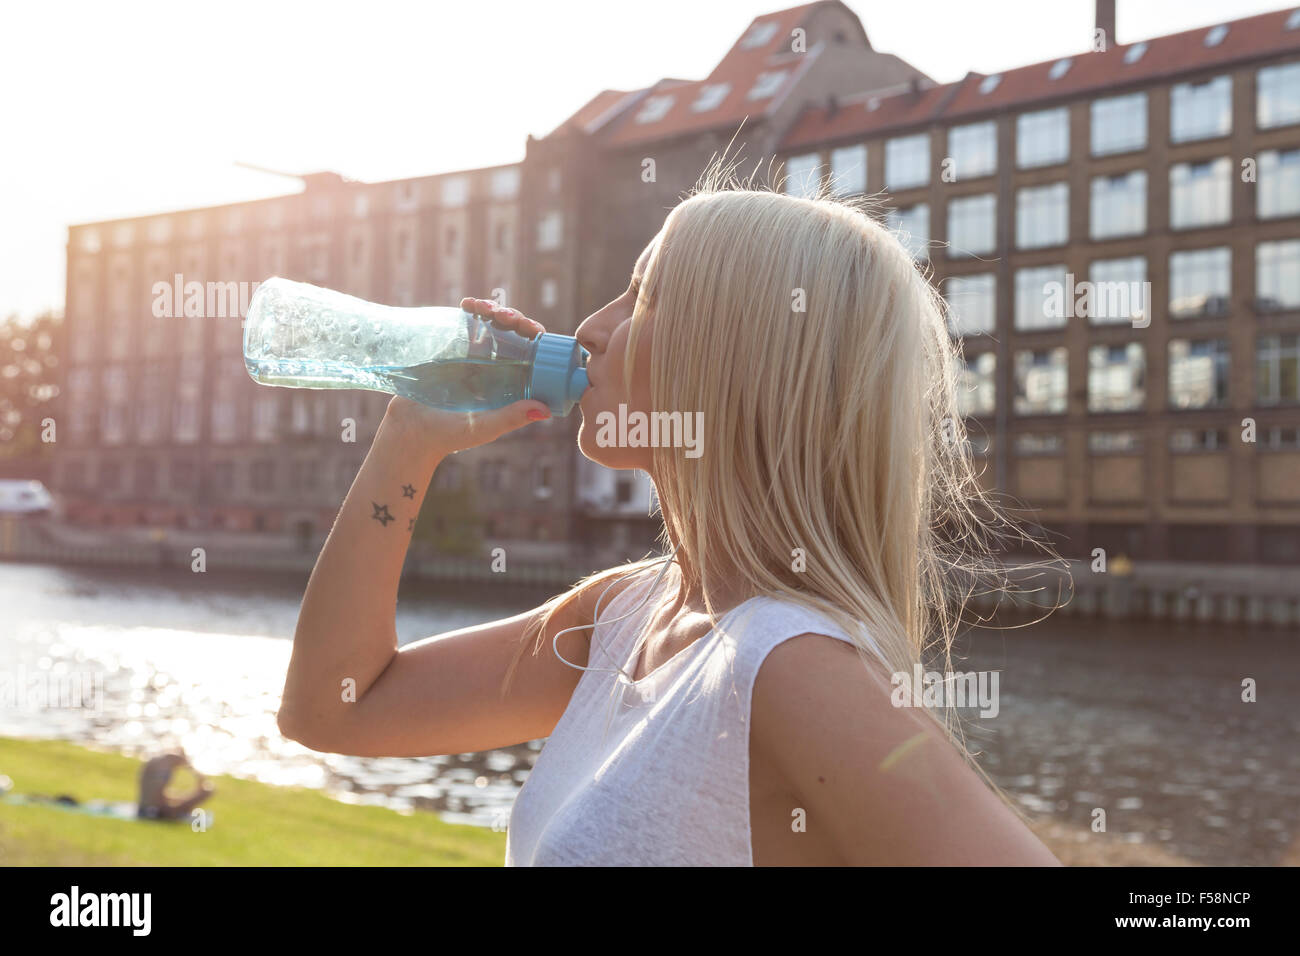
(536, 414)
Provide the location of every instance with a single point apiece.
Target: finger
(513, 318)
(477, 306)
(502, 316)
(488, 426)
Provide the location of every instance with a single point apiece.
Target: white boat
(20, 498)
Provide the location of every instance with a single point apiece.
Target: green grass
(253, 824)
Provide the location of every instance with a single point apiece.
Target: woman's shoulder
(781, 618)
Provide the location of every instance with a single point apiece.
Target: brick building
(166, 428)
(1124, 423)
(163, 426)
(1114, 167)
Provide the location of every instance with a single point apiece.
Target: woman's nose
(590, 336)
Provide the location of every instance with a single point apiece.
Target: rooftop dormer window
(767, 84)
(1134, 53)
(1293, 21)
(760, 34)
(711, 95)
(1215, 36)
(655, 109)
(1059, 69)
(990, 83)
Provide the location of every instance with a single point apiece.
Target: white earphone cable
(667, 561)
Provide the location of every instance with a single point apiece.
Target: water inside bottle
(459, 385)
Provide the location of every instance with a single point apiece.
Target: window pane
(907, 161)
(1119, 293)
(1119, 124)
(1199, 282)
(1042, 216)
(912, 227)
(1278, 190)
(849, 169)
(972, 225)
(973, 149)
(1200, 110)
(1119, 205)
(1277, 369)
(1200, 194)
(971, 302)
(977, 384)
(802, 174)
(1277, 95)
(1042, 138)
(1277, 275)
(1116, 377)
(1040, 382)
(1040, 297)
(1198, 373)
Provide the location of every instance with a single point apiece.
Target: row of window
(1198, 373)
(268, 256)
(1197, 111)
(122, 334)
(453, 193)
(1116, 291)
(154, 417)
(1200, 196)
(1197, 376)
(1129, 442)
(149, 476)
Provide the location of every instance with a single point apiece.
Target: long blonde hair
(821, 360)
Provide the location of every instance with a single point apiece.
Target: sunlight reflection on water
(215, 695)
(1143, 719)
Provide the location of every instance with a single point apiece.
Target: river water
(1144, 720)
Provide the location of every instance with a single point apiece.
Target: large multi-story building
(1121, 425)
(166, 428)
(1117, 235)
(162, 424)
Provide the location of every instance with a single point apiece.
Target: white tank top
(654, 772)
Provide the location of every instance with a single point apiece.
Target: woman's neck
(723, 586)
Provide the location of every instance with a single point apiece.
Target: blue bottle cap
(559, 378)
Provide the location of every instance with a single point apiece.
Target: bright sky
(124, 109)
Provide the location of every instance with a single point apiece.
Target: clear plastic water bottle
(303, 336)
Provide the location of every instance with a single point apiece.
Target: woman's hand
(445, 432)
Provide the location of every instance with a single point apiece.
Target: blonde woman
(731, 703)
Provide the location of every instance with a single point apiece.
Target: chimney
(1106, 21)
(832, 105)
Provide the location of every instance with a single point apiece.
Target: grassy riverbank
(253, 824)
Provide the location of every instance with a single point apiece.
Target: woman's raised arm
(348, 688)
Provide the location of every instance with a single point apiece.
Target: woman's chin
(587, 442)
(590, 448)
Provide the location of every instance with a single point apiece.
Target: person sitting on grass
(155, 802)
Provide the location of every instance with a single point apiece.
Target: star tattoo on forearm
(381, 514)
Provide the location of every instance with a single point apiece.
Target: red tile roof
(595, 111)
(866, 112)
(738, 69)
(1248, 38)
